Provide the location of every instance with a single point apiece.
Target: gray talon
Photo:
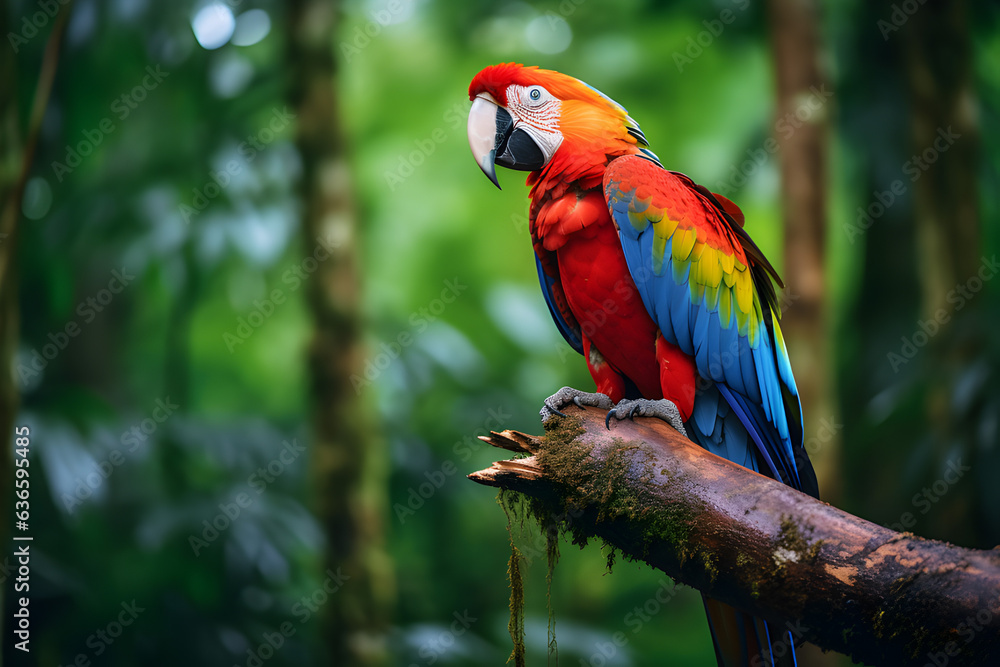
(553, 410)
(661, 409)
(567, 396)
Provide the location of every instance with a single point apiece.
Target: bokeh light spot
(251, 27)
(549, 34)
(213, 25)
(37, 198)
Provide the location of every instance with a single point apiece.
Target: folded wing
(708, 288)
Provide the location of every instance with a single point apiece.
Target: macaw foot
(568, 395)
(642, 407)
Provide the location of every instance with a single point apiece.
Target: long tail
(742, 640)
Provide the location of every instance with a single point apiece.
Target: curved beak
(494, 140)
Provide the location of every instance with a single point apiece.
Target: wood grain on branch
(839, 581)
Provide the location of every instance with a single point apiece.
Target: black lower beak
(494, 140)
(518, 150)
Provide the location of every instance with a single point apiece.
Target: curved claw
(556, 411)
(569, 396)
(613, 412)
(660, 408)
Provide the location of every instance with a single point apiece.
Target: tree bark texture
(838, 581)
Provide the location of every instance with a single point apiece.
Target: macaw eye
(535, 94)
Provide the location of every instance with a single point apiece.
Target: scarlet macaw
(654, 281)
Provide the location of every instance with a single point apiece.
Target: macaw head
(527, 118)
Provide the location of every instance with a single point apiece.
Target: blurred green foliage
(208, 265)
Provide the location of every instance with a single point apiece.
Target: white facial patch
(536, 111)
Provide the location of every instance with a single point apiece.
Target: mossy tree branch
(845, 584)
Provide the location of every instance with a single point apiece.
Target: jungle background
(257, 300)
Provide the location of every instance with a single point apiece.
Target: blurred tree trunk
(10, 213)
(909, 379)
(348, 463)
(15, 165)
(936, 47)
(937, 52)
(796, 51)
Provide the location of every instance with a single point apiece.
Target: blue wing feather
(570, 333)
(749, 370)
